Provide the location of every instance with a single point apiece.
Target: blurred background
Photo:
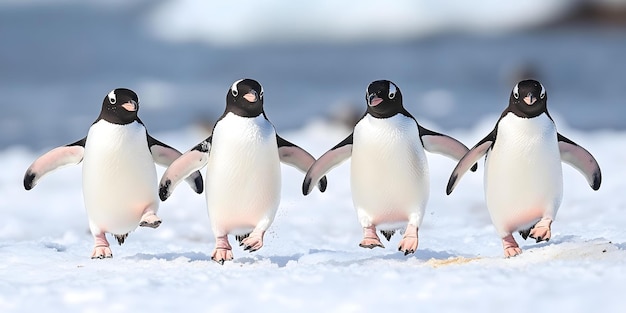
(455, 61)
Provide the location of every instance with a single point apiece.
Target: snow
(311, 261)
(245, 22)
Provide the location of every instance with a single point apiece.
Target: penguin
(243, 178)
(389, 170)
(119, 178)
(523, 177)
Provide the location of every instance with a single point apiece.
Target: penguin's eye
(392, 91)
(234, 92)
(516, 92)
(111, 97)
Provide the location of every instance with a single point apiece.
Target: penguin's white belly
(243, 174)
(389, 171)
(119, 176)
(523, 175)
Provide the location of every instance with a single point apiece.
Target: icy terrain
(311, 261)
(60, 57)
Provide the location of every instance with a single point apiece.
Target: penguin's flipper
(332, 158)
(71, 154)
(190, 162)
(470, 159)
(165, 155)
(435, 142)
(579, 158)
(297, 157)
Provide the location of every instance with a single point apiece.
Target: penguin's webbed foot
(371, 243)
(510, 247)
(253, 242)
(541, 231)
(512, 251)
(150, 220)
(370, 239)
(223, 251)
(101, 252)
(409, 241)
(220, 255)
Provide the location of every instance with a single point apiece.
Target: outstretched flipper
(435, 142)
(184, 166)
(580, 159)
(71, 154)
(469, 160)
(297, 157)
(165, 155)
(332, 158)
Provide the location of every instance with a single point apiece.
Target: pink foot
(408, 244)
(370, 239)
(101, 252)
(541, 231)
(101, 248)
(149, 219)
(223, 251)
(511, 248)
(253, 242)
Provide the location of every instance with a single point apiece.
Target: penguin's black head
(528, 99)
(384, 99)
(245, 98)
(120, 106)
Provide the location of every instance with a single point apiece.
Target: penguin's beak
(130, 106)
(373, 100)
(530, 99)
(251, 96)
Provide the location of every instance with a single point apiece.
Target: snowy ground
(311, 260)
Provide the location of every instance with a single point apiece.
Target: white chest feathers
(243, 173)
(523, 174)
(389, 170)
(119, 176)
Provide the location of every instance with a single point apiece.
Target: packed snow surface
(311, 261)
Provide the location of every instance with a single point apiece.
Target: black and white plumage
(119, 176)
(523, 173)
(243, 177)
(389, 169)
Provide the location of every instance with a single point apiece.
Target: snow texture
(311, 261)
